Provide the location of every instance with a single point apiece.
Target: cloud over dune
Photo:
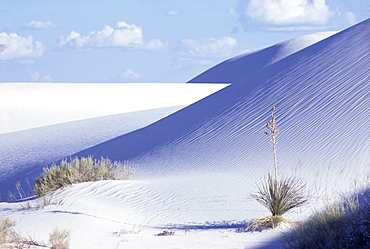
(287, 15)
(210, 47)
(286, 12)
(202, 52)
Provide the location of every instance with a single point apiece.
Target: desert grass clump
(278, 197)
(6, 230)
(59, 239)
(281, 196)
(344, 224)
(77, 170)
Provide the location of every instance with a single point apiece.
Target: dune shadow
(238, 226)
(232, 226)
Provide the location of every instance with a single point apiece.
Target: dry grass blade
(59, 239)
(266, 223)
(6, 229)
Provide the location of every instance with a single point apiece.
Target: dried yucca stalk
(273, 132)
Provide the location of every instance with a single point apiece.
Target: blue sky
(151, 40)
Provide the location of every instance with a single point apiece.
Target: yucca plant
(277, 195)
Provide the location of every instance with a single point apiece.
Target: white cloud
(47, 78)
(289, 12)
(172, 13)
(125, 36)
(130, 74)
(155, 44)
(350, 17)
(296, 28)
(191, 63)
(34, 25)
(200, 54)
(27, 62)
(37, 77)
(13, 46)
(233, 12)
(211, 47)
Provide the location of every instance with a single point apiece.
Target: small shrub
(281, 196)
(8, 235)
(77, 170)
(341, 225)
(6, 229)
(59, 239)
(21, 242)
(166, 233)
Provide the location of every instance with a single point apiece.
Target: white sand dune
(199, 164)
(321, 96)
